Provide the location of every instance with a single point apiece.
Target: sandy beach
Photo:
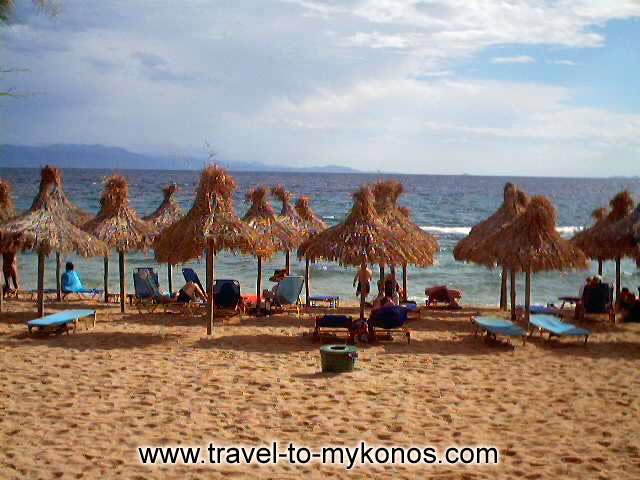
(79, 405)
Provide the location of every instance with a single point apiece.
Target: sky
(531, 87)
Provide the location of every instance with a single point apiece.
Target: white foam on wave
(329, 217)
(566, 230)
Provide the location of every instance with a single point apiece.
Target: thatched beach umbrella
(423, 245)
(469, 248)
(75, 215)
(596, 242)
(46, 228)
(271, 235)
(211, 224)
(624, 235)
(311, 224)
(168, 213)
(599, 215)
(362, 238)
(290, 218)
(531, 244)
(118, 225)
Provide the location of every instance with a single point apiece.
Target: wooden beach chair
(556, 328)
(62, 321)
(391, 320)
(494, 326)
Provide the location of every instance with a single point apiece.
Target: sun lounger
(62, 321)
(556, 328)
(93, 292)
(333, 324)
(497, 326)
(332, 300)
(391, 320)
(227, 295)
(190, 275)
(287, 293)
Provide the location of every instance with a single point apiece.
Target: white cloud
(569, 63)
(368, 83)
(516, 59)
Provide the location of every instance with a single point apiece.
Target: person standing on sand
(10, 270)
(363, 278)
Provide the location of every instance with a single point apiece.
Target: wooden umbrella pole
(512, 274)
(404, 283)
(617, 278)
(210, 299)
(392, 269)
(382, 273)
(287, 262)
(123, 290)
(503, 290)
(307, 287)
(106, 279)
(40, 284)
(58, 286)
(363, 299)
(170, 277)
(527, 295)
(599, 267)
(259, 283)
(1, 295)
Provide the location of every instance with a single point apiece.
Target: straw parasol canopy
(515, 202)
(311, 222)
(53, 176)
(594, 241)
(423, 246)
(624, 235)
(46, 228)
(362, 236)
(117, 224)
(360, 239)
(169, 211)
(7, 207)
(212, 216)
(211, 224)
(271, 234)
(531, 243)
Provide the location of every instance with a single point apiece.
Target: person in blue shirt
(70, 280)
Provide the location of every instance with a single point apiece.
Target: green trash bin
(338, 358)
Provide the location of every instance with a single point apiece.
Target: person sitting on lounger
(70, 279)
(190, 292)
(386, 299)
(626, 300)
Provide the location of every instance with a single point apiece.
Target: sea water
(445, 206)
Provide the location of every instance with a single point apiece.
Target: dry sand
(77, 406)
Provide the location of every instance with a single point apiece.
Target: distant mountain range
(100, 156)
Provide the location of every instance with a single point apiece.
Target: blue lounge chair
(147, 291)
(333, 324)
(494, 326)
(391, 319)
(287, 293)
(556, 328)
(190, 275)
(61, 321)
(332, 300)
(227, 294)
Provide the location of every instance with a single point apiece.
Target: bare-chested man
(363, 278)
